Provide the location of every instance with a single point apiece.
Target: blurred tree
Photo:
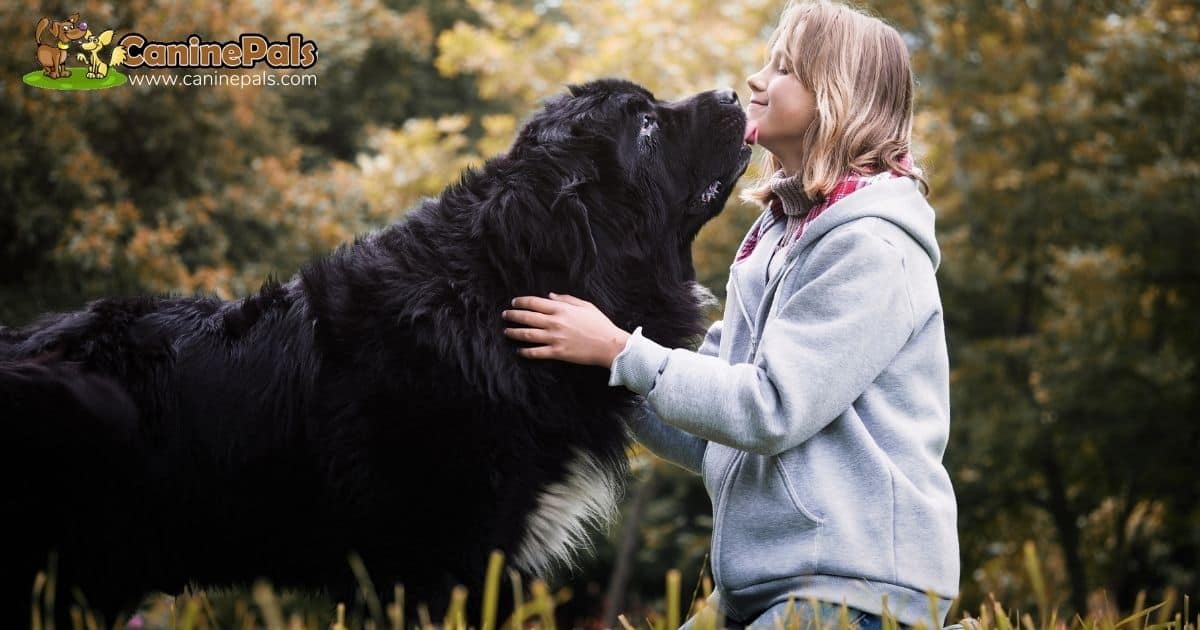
(202, 188)
(1062, 139)
(393, 80)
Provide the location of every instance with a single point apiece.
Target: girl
(817, 409)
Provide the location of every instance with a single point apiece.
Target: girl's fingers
(529, 318)
(531, 335)
(540, 352)
(535, 303)
(570, 299)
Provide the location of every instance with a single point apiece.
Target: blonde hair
(858, 69)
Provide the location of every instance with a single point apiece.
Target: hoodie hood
(897, 200)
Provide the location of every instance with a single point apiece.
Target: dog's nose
(727, 97)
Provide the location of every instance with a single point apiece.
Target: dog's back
(140, 431)
(165, 441)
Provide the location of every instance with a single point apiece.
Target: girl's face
(781, 109)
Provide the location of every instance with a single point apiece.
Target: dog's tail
(118, 57)
(41, 27)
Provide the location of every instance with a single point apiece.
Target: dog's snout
(727, 97)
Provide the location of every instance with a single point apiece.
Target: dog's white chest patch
(704, 297)
(557, 530)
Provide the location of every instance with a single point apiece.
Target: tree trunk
(1068, 531)
(614, 600)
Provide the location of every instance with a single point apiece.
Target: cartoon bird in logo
(98, 69)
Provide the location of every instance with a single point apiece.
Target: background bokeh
(1060, 138)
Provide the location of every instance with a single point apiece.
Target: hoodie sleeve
(676, 446)
(829, 340)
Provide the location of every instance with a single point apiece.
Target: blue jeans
(829, 613)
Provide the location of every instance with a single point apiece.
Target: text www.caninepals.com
(216, 79)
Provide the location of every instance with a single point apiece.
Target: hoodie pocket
(764, 533)
(797, 501)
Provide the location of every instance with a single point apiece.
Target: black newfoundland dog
(371, 403)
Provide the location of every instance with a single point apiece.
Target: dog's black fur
(371, 403)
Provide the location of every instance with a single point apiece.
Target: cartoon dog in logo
(53, 38)
(97, 69)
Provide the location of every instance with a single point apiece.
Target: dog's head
(69, 30)
(617, 180)
(96, 42)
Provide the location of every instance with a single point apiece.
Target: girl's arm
(829, 341)
(678, 447)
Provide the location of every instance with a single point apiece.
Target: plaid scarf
(791, 203)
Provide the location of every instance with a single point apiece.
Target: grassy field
(263, 607)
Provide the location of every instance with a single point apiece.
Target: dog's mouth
(711, 192)
(720, 188)
(739, 142)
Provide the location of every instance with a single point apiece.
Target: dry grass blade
(35, 611)
(396, 608)
(673, 598)
(491, 590)
(264, 596)
(339, 622)
(367, 588)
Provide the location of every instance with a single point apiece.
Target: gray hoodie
(817, 411)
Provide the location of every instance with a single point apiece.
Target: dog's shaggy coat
(371, 403)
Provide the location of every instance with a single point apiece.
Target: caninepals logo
(60, 42)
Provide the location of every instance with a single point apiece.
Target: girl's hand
(569, 328)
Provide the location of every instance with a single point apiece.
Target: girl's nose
(751, 81)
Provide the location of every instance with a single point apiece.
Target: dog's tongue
(751, 136)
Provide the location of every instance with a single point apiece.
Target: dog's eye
(649, 124)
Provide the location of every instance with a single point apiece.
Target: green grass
(77, 81)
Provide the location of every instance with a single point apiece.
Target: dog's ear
(578, 246)
(106, 37)
(543, 239)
